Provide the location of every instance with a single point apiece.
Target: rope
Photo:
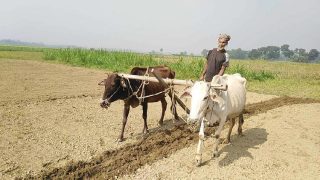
(173, 108)
(142, 97)
(144, 82)
(142, 86)
(164, 91)
(107, 100)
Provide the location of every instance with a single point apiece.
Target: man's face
(222, 42)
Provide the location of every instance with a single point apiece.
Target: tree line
(274, 53)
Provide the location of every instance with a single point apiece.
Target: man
(217, 59)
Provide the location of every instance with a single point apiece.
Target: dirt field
(52, 126)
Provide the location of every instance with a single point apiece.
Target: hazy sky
(174, 25)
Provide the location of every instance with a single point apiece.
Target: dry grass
(21, 55)
(292, 79)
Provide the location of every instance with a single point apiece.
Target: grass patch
(21, 48)
(110, 60)
(282, 69)
(288, 87)
(185, 67)
(268, 77)
(261, 75)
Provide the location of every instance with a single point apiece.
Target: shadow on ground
(240, 146)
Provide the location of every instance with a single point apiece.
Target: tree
(273, 52)
(286, 51)
(300, 55)
(152, 52)
(254, 54)
(161, 50)
(270, 52)
(313, 54)
(238, 54)
(183, 53)
(284, 47)
(204, 52)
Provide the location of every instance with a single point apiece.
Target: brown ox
(117, 88)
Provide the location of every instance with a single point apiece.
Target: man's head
(223, 40)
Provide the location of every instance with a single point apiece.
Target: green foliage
(254, 54)
(238, 54)
(251, 75)
(300, 55)
(276, 77)
(269, 52)
(187, 69)
(286, 51)
(112, 60)
(123, 61)
(274, 53)
(313, 54)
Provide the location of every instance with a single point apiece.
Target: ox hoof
(145, 132)
(226, 141)
(198, 160)
(120, 140)
(215, 154)
(240, 134)
(160, 123)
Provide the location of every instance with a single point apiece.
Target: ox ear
(123, 83)
(102, 83)
(214, 97)
(186, 93)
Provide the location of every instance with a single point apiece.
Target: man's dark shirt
(215, 60)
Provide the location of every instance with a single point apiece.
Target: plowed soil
(52, 127)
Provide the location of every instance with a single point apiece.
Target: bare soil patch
(52, 126)
(282, 143)
(158, 145)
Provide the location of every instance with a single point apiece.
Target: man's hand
(221, 72)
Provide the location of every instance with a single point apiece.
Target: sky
(173, 25)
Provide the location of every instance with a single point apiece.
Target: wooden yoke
(154, 79)
(164, 84)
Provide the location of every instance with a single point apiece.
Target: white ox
(216, 106)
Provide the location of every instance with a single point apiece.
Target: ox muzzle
(105, 103)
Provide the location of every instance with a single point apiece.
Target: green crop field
(268, 77)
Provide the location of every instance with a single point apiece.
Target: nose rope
(107, 100)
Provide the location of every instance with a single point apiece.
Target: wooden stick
(162, 82)
(154, 79)
(170, 81)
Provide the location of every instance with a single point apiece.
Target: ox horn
(222, 87)
(102, 83)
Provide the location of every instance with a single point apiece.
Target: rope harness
(142, 95)
(142, 88)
